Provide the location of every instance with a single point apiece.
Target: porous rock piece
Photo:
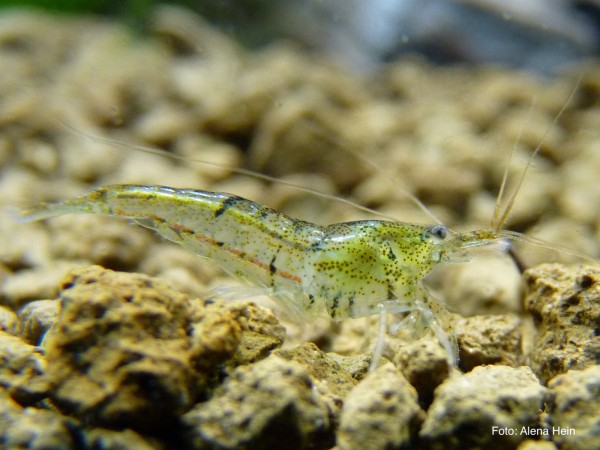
(574, 412)
(253, 347)
(261, 332)
(331, 379)
(565, 304)
(270, 404)
(35, 318)
(466, 409)
(128, 351)
(256, 319)
(22, 370)
(36, 429)
(425, 365)
(321, 367)
(357, 366)
(381, 412)
(490, 339)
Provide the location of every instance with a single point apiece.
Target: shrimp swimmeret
(349, 269)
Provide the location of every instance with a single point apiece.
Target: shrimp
(349, 269)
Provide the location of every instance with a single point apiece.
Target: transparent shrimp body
(350, 269)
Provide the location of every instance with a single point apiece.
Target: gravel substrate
(107, 337)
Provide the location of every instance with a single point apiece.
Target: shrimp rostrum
(350, 269)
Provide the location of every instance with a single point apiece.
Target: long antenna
(503, 184)
(516, 236)
(511, 201)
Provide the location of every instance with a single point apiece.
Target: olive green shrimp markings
(349, 269)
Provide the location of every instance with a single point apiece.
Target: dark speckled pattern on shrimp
(349, 269)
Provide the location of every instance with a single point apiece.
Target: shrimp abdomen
(245, 239)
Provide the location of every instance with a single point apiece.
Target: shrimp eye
(439, 231)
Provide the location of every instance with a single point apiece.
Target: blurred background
(544, 36)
